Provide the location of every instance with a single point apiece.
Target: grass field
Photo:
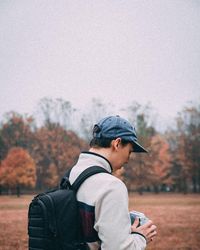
(176, 216)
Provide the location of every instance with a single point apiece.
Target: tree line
(35, 157)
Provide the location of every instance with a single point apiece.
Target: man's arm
(113, 221)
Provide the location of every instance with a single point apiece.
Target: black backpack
(53, 217)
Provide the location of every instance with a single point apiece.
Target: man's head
(113, 127)
(117, 135)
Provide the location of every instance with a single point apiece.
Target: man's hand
(148, 229)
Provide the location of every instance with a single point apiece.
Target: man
(103, 198)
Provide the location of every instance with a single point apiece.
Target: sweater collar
(99, 158)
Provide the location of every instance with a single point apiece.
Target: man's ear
(116, 143)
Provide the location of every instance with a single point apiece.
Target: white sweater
(104, 210)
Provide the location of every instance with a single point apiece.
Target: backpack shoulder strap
(87, 173)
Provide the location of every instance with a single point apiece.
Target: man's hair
(105, 142)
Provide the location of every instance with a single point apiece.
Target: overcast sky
(119, 51)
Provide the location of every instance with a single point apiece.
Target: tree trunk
(194, 184)
(185, 188)
(198, 181)
(156, 189)
(18, 191)
(140, 190)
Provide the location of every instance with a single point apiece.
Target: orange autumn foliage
(55, 151)
(18, 169)
(160, 160)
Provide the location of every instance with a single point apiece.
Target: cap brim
(138, 148)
